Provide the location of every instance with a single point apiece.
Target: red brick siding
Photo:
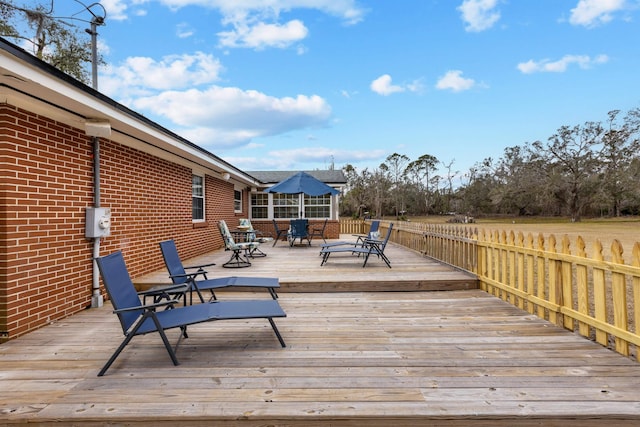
(47, 184)
(266, 226)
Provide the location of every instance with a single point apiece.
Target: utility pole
(95, 21)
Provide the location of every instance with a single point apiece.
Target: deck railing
(596, 297)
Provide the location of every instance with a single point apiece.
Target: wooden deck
(299, 270)
(353, 358)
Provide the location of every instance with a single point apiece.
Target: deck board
(355, 357)
(298, 269)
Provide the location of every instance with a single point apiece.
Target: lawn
(626, 230)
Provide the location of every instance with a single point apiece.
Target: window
(317, 206)
(237, 200)
(286, 205)
(260, 205)
(197, 197)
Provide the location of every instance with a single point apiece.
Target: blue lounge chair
(179, 275)
(139, 319)
(372, 234)
(367, 248)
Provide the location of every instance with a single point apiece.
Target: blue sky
(302, 84)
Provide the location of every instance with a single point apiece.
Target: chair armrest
(189, 276)
(199, 266)
(151, 307)
(371, 243)
(366, 240)
(165, 288)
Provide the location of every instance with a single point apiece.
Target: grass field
(626, 230)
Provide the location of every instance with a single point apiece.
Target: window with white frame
(197, 197)
(286, 205)
(237, 200)
(317, 206)
(259, 205)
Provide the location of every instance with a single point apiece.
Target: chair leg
(237, 261)
(133, 333)
(194, 286)
(325, 257)
(279, 235)
(116, 354)
(256, 252)
(277, 332)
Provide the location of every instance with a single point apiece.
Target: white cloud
(479, 15)
(590, 13)
(453, 80)
(255, 23)
(561, 65)
(116, 9)
(139, 75)
(383, 86)
(347, 10)
(184, 30)
(312, 155)
(348, 94)
(262, 35)
(229, 116)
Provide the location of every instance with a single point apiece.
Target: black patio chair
(280, 233)
(139, 319)
(318, 231)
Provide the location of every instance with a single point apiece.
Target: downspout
(95, 216)
(96, 297)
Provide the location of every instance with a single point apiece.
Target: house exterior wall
(47, 184)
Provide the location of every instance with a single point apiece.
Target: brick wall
(47, 184)
(266, 226)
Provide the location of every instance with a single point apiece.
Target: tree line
(591, 169)
(54, 39)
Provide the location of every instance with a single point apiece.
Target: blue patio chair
(179, 275)
(299, 230)
(139, 319)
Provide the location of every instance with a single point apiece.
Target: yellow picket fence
(596, 297)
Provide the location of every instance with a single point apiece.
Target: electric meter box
(98, 222)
